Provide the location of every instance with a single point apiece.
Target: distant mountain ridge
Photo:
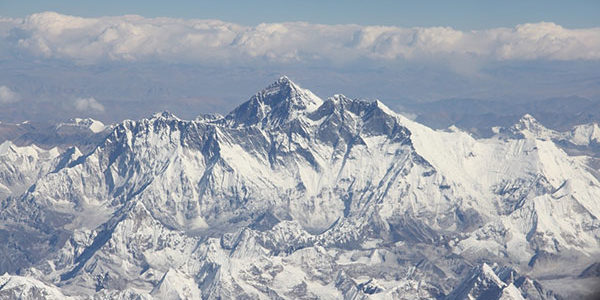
(83, 133)
(479, 116)
(292, 196)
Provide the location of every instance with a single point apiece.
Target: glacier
(291, 196)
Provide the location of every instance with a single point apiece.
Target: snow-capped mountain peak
(487, 282)
(526, 127)
(585, 134)
(528, 119)
(281, 101)
(94, 126)
(530, 124)
(164, 115)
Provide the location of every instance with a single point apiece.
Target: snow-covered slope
(84, 134)
(582, 139)
(487, 282)
(20, 167)
(92, 125)
(27, 288)
(292, 196)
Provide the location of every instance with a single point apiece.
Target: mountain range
(290, 196)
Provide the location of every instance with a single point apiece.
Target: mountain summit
(276, 104)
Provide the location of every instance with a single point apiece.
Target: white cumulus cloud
(88, 104)
(135, 38)
(8, 96)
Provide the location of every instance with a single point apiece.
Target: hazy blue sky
(468, 14)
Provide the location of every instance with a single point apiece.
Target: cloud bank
(135, 38)
(88, 105)
(8, 96)
(137, 66)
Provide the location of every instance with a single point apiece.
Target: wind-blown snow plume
(135, 38)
